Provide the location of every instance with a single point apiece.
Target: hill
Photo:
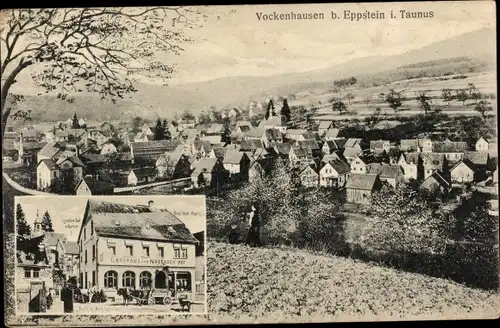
(284, 284)
(153, 100)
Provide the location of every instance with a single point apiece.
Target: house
(333, 157)
(251, 145)
(392, 174)
(325, 126)
(218, 153)
(426, 145)
(236, 162)
(202, 148)
(351, 153)
(330, 146)
(495, 179)
(282, 149)
(99, 136)
(259, 168)
(190, 134)
(146, 130)
(334, 174)
(432, 162)
(186, 123)
(173, 165)
(274, 122)
(255, 109)
(64, 172)
(295, 134)
(360, 164)
(141, 175)
(108, 148)
(272, 136)
(142, 137)
(213, 129)
(478, 158)
(50, 150)
(332, 134)
(151, 150)
(453, 150)
(61, 136)
(308, 175)
(128, 246)
(463, 172)
(208, 172)
(409, 145)
(353, 143)
(27, 151)
(380, 145)
(243, 127)
(436, 181)
(487, 145)
(360, 187)
(91, 186)
(233, 112)
(297, 154)
(410, 163)
(212, 139)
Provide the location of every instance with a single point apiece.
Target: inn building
(133, 246)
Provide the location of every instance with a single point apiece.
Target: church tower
(37, 225)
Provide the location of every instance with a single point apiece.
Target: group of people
(253, 227)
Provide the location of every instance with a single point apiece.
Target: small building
(329, 146)
(487, 145)
(360, 188)
(380, 145)
(334, 174)
(209, 172)
(351, 153)
(150, 151)
(360, 164)
(453, 150)
(432, 162)
(236, 162)
(173, 165)
(463, 172)
(325, 126)
(282, 149)
(392, 174)
(243, 127)
(410, 164)
(295, 134)
(436, 182)
(92, 186)
(308, 176)
(332, 134)
(297, 154)
(108, 148)
(141, 175)
(353, 143)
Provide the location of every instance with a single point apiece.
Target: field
(359, 106)
(252, 283)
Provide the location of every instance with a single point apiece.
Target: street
(119, 307)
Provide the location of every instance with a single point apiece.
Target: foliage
(461, 95)
(47, 222)
(187, 116)
(137, 123)
(100, 50)
(349, 97)
(226, 132)
(393, 98)
(285, 110)
(159, 133)
(270, 109)
(166, 132)
(425, 102)
(338, 105)
(75, 124)
(483, 107)
(23, 230)
(447, 95)
(403, 222)
(342, 83)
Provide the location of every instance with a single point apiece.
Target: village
(239, 146)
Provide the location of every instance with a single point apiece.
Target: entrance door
(160, 279)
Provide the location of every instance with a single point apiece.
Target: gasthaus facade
(133, 246)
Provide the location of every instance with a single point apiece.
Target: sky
(233, 42)
(67, 212)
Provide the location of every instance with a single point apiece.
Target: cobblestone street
(119, 307)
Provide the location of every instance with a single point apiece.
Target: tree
(393, 98)
(166, 132)
(75, 124)
(101, 50)
(270, 109)
(483, 107)
(471, 89)
(285, 111)
(350, 97)
(461, 95)
(23, 230)
(159, 132)
(226, 132)
(339, 105)
(137, 124)
(403, 222)
(187, 116)
(476, 96)
(47, 222)
(447, 95)
(367, 100)
(425, 102)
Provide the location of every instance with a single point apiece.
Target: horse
(129, 295)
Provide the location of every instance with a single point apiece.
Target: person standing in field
(253, 237)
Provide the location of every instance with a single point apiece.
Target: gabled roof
(325, 125)
(300, 152)
(51, 165)
(97, 187)
(463, 162)
(385, 171)
(378, 143)
(136, 222)
(353, 142)
(170, 158)
(339, 166)
(93, 158)
(361, 181)
(409, 143)
(220, 151)
(331, 133)
(303, 167)
(255, 133)
(144, 172)
(367, 159)
(351, 152)
(71, 247)
(436, 176)
(282, 148)
(233, 157)
(433, 160)
(477, 157)
(449, 146)
(33, 145)
(273, 134)
(250, 145)
(274, 121)
(244, 123)
(334, 144)
(213, 140)
(310, 144)
(411, 158)
(49, 150)
(51, 238)
(204, 165)
(311, 136)
(331, 158)
(295, 132)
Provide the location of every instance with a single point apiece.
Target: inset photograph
(109, 255)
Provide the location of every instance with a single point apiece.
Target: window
(145, 279)
(177, 253)
(36, 272)
(86, 281)
(111, 279)
(145, 251)
(85, 256)
(113, 249)
(93, 252)
(93, 278)
(184, 253)
(130, 250)
(183, 281)
(27, 273)
(161, 252)
(128, 279)
(80, 283)
(91, 228)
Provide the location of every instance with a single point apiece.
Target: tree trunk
(9, 81)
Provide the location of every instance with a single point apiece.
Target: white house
(410, 164)
(108, 148)
(334, 174)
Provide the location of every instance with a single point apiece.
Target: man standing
(67, 298)
(253, 237)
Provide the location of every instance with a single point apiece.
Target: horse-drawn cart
(166, 297)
